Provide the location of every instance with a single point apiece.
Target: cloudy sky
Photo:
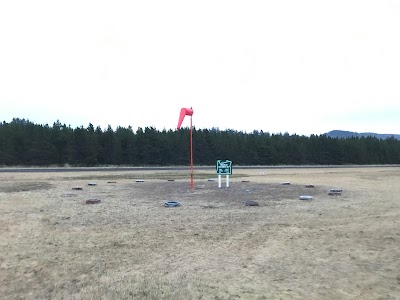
(302, 67)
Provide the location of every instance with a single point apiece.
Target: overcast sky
(304, 67)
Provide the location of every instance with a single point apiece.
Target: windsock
(184, 112)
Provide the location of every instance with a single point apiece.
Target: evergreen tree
(25, 143)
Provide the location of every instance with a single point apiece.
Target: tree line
(24, 143)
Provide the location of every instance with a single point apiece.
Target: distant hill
(349, 134)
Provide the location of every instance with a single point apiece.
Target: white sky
(302, 67)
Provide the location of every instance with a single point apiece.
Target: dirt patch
(15, 187)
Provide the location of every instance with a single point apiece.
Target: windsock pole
(191, 155)
(188, 112)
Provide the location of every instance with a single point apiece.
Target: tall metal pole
(188, 112)
(191, 155)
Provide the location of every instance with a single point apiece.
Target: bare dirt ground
(129, 246)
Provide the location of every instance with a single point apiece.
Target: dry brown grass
(54, 246)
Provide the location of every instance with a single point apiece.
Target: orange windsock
(184, 112)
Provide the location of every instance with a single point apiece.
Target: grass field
(55, 246)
